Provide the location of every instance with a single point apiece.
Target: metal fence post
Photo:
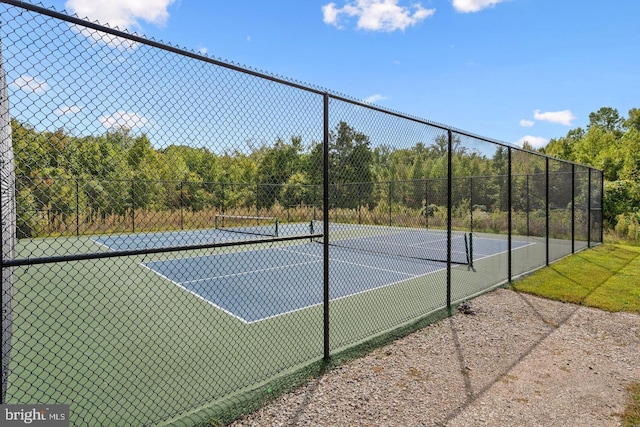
(528, 207)
(589, 211)
(181, 206)
(471, 203)
(390, 200)
(133, 206)
(325, 211)
(449, 213)
(546, 197)
(77, 208)
(257, 199)
(315, 201)
(426, 203)
(222, 197)
(509, 215)
(601, 206)
(573, 208)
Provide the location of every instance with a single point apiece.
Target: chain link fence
(184, 238)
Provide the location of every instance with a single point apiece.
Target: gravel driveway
(518, 360)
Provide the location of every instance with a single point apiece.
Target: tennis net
(257, 225)
(407, 243)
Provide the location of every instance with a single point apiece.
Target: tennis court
(257, 284)
(226, 304)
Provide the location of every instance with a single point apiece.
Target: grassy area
(607, 277)
(631, 415)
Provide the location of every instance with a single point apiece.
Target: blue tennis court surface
(190, 237)
(258, 284)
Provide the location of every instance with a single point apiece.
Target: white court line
(197, 295)
(503, 252)
(402, 245)
(418, 245)
(100, 244)
(350, 263)
(382, 254)
(384, 285)
(249, 272)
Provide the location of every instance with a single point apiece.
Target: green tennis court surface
(145, 325)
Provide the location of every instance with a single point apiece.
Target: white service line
(500, 253)
(353, 263)
(251, 272)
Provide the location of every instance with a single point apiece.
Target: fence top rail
(51, 12)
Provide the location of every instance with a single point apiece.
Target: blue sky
(504, 69)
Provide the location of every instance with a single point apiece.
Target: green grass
(631, 414)
(608, 278)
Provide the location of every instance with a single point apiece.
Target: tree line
(610, 142)
(60, 175)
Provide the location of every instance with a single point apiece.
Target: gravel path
(518, 360)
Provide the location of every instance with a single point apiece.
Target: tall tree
(279, 163)
(564, 147)
(350, 161)
(633, 122)
(608, 119)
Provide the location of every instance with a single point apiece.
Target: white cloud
(202, 50)
(535, 141)
(30, 84)
(377, 15)
(330, 14)
(99, 37)
(469, 6)
(124, 14)
(564, 117)
(123, 119)
(375, 98)
(527, 123)
(67, 110)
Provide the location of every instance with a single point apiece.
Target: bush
(628, 226)
(620, 197)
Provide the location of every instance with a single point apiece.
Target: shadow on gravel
(473, 396)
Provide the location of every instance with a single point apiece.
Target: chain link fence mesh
(529, 211)
(560, 219)
(480, 172)
(164, 222)
(581, 214)
(595, 197)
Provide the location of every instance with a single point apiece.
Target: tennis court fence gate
(129, 166)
